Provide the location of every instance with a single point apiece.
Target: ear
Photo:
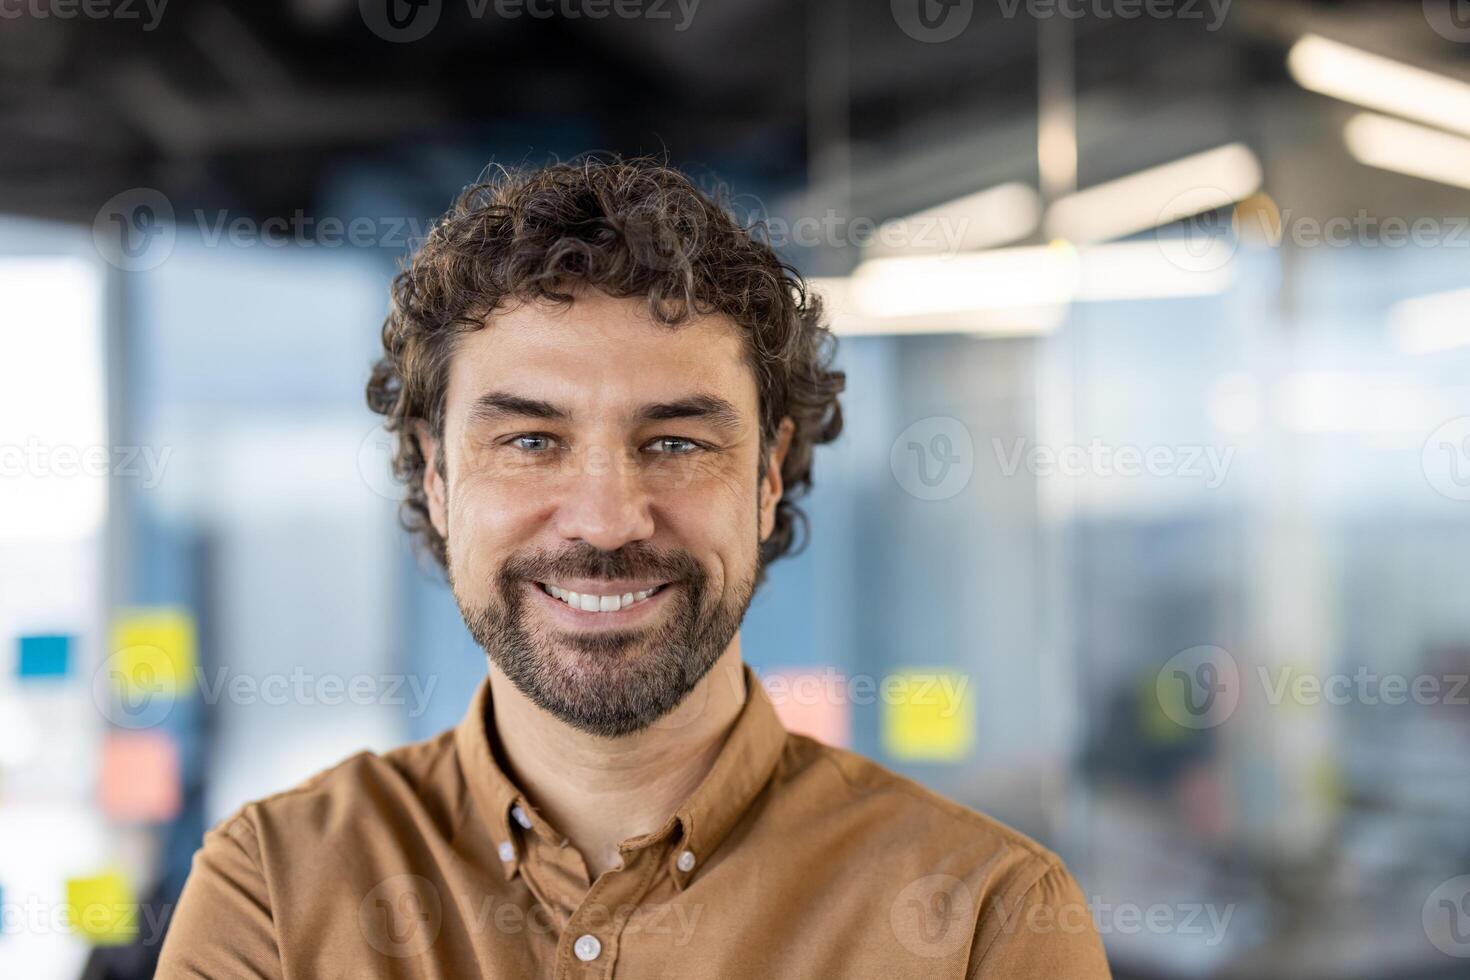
(771, 486)
(434, 488)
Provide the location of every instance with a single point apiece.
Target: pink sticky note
(812, 701)
(140, 776)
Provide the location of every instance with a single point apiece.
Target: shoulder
(847, 801)
(417, 780)
(928, 859)
(909, 809)
(275, 870)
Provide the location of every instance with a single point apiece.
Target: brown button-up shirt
(791, 859)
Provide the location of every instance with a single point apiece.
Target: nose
(604, 501)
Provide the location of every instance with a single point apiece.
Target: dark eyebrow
(710, 409)
(500, 405)
(497, 405)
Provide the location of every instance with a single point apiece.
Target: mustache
(633, 560)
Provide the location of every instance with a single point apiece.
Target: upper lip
(603, 586)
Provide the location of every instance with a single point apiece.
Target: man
(606, 394)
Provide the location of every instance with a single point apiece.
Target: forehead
(599, 352)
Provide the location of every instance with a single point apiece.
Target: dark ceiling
(259, 102)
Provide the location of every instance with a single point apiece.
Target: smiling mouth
(597, 603)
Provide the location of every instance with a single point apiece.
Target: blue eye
(683, 446)
(543, 441)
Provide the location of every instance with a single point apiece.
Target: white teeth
(598, 603)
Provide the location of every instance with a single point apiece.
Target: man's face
(601, 502)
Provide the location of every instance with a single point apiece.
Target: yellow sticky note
(102, 909)
(927, 715)
(153, 653)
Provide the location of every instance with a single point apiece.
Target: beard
(610, 682)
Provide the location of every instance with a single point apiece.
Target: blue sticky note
(46, 655)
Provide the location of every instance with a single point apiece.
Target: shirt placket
(593, 937)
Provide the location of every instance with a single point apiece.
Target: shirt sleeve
(1047, 933)
(222, 928)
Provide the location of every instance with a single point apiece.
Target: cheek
(712, 501)
(485, 520)
(715, 518)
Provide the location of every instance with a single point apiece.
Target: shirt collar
(493, 792)
(742, 768)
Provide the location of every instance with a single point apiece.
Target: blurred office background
(1149, 532)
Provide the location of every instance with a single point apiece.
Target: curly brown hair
(630, 228)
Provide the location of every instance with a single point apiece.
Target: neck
(600, 791)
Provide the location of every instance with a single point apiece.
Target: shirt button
(686, 861)
(507, 851)
(587, 948)
(520, 816)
